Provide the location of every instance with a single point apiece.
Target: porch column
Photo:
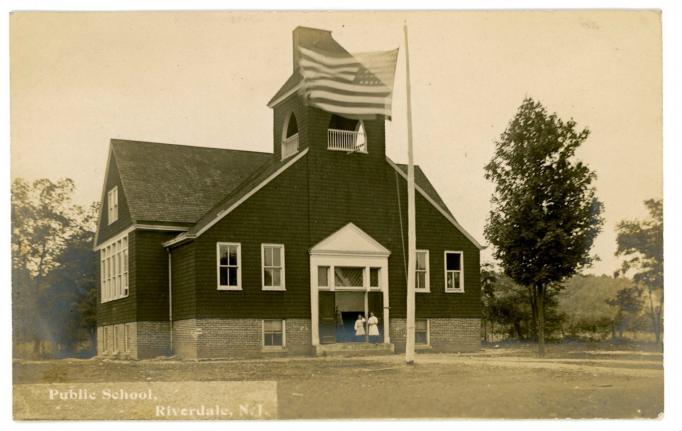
(314, 306)
(387, 337)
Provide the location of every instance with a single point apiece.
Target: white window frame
(428, 333)
(239, 266)
(282, 253)
(114, 269)
(369, 277)
(105, 339)
(284, 335)
(427, 289)
(461, 271)
(126, 338)
(112, 205)
(115, 338)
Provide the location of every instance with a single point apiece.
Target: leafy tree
(640, 242)
(628, 304)
(44, 223)
(545, 213)
(70, 298)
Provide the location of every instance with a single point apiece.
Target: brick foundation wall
(153, 339)
(227, 338)
(445, 335)
(185, 336)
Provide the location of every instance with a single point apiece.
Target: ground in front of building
(574, 381)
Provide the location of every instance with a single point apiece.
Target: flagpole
(411, 224)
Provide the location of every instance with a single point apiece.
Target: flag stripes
(349, 85)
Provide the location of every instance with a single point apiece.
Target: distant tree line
(53, 271)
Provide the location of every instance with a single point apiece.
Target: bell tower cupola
(298, 125)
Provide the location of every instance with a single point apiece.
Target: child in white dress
(373, 327)
(359, 326)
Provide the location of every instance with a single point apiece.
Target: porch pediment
(350, 239)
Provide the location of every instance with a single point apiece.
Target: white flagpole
(411, 225)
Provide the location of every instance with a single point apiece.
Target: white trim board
(435, 205)
(137, 226)
(285, 95)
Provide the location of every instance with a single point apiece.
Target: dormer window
(290, 137)
(345, 134)
(112, 205)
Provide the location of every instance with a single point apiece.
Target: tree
(545, 214)
(44, 221)
(598, 305)
(641, 243)
(70, 296)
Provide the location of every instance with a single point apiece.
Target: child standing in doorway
(373, 328)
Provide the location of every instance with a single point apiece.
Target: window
(126, 338)
(229, 266)
(273, 333)
(454, 275)
(114, 270)
(290, 137)
(115, 330)
(105, 340)
(421, 331)
(347, 276)
(272, 257)
(422, 276)
(374, 277)
(323, 276)
(112, 204)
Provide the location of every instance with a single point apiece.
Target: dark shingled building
(209, 253)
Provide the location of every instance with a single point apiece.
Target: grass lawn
(506, 382)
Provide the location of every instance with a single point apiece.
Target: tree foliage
(52, 262)
(599, 305)
(640, 242)
(545, 214)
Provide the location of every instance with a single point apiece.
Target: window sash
(272, 272)
(274, 333)
(114, 270)
(454, 272)
(229, 268)
(421, 331)
(112, 204)
(422, 282)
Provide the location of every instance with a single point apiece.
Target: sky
(204, 78)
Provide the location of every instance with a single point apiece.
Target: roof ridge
(120, 140)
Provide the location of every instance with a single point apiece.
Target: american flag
(351, 85)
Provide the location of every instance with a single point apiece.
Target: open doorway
(340, 310)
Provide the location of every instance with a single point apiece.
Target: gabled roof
(424, 187)
(421, 180)
(178, 183)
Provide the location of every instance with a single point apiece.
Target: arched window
(290, 137)
(346, 134)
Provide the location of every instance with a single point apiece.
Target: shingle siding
(316, 196)
(183, 281)
(106, 230)
(278, 213)
(151, 274)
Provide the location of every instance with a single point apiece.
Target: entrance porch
(349, 293)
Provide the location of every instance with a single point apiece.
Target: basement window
(421, 332)
(274, 333)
